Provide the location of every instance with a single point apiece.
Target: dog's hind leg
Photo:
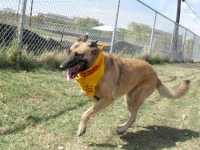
(128, 101)
(133, 101)
(98, 106)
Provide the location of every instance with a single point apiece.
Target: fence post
(31, 13)
(152, 36)
(21, 23)
(184, 46)
(198, 52)
(175, 46)
(113, 34)
(171, 55)
(192, 48)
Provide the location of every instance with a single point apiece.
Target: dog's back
(127, 73)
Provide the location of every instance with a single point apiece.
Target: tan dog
(134, 78)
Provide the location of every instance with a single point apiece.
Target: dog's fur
(134, 78)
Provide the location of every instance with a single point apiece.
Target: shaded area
(152, 137)
(124, 48)
(32, 41)
(162, 137)
(34, 120)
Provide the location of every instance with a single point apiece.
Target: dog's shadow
(154, 137)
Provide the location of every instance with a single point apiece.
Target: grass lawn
(39, 110)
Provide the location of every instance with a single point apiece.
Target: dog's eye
(78, 54)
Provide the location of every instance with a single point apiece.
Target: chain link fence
(53, 25)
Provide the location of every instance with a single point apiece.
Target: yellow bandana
(89, 78)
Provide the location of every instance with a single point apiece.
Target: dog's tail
(173, 93)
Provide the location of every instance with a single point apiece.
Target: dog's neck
(90, 77)
(94, 59)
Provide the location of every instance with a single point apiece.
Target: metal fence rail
(45, 25)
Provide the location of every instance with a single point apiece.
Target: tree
(138, 29)
(81, 22)
(123, 30)
(93, 23)
(87, 23)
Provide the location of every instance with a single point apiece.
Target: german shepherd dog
(134, 78)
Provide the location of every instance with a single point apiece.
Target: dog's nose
(61, 67)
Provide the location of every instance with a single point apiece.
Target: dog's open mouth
(72, 72)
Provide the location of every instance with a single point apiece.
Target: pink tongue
(68, 78)
(68, 75)
(70, 72)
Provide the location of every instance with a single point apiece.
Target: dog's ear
(93, 47)
(93, 44)
(83, 38)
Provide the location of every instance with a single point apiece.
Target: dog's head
(81, 56)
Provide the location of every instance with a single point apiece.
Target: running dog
(104, 77)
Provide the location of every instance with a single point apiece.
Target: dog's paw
(80, 133)
(120, 130)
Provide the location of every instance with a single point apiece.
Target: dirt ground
(190, 65)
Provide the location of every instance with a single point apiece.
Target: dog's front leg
(98, 106)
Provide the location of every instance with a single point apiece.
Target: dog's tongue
(68, 76)
(71, 73)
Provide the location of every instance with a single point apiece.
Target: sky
(130, 11)
(188, 18)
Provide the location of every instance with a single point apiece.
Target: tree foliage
(123, 30)
(81, 22)
(87, 23)
(139, 29)
(136, 30)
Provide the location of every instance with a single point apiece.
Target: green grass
(10, 57)
(40, 110)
